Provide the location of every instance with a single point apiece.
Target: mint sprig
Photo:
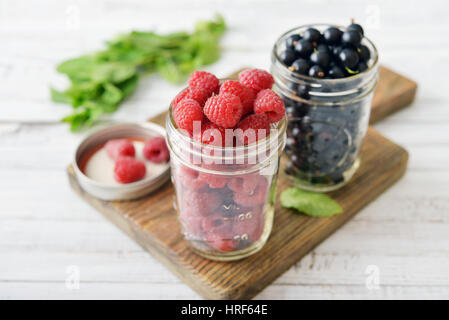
(312, 204)
(102, 80)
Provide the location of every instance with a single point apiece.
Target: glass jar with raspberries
(326, 76)
(225, 138)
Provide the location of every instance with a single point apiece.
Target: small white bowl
(125, 191)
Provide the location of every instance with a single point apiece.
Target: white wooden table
(48, 235)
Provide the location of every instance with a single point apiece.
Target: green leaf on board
(312, 204)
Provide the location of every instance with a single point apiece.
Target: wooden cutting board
(152, 222)
(393, 92)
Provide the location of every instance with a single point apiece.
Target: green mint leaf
(95, 111)
(111, 94)
(78, 69)
(112, 72)
(60, 97)
(77, 119)
(128, 86)
(80, 92)
(216, 28)
(312, 204)
(169, 70)
(85, 115)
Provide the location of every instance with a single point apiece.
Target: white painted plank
(46, 290)
(322, 267)
(94, 290)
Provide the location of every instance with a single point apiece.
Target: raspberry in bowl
(224, 156)
(123, 161)
(326, 76)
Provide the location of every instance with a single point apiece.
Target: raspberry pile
(248, 103)
(222, 213)
(127, 168)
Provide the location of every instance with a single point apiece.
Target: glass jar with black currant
(326, 76)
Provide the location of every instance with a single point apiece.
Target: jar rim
(308, 78)
(282, 127)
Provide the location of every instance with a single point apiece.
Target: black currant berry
(335, 72)
(290, 42)
(356, 27)
(287, 57)
(336, 50)
(295, 131)
(362, 66)
(320, 58)
(304, 48)
(316, 72)
(302, 91)
(332, 35)
(352, 37)
(295, 160)
(323, 48)
(311, 35)
(292, 112)
(349, 58)
(364, 53)
(300, 66)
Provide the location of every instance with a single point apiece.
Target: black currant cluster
(322, 141)
(332, 54)
(324, 133)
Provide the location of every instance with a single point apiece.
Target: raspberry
(222, 243)
(217, 223)
(213, 134)
(186, 112)
(250, 224)
(269, 103)
(256, 79)
(224, 110)
(198, 94)
(119, 147)
(190, 178)
(254, 127)
(245, 94)
(215, 181)
(191, 224)
(204, 80)
(128, 169)
(202, 203)
(246, 184)
(155, 150)
(180, 96)
(256, 197)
